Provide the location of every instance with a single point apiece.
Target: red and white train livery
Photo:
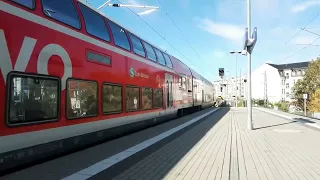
(70, 77)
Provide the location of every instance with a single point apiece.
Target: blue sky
(214, 27)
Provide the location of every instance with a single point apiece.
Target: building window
(81, 98)
(287, 85)
(119, 36)
(66, 14)
(32, 99)
(27, 3)
(157, 95)
(111, 98)
(146, 98)
(132, 98)
(287, 94)
(95, 24)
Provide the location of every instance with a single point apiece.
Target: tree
(314, 105)
(308, 85)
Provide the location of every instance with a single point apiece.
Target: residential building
(271, 82)
(275, 82)
(226, 88)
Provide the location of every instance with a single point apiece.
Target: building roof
(298, 65)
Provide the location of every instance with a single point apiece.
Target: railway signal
(221, 72)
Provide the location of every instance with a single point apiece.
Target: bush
(282, 106)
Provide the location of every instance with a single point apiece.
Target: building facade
(270, 82)
(227, 88)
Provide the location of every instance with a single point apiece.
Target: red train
(71, 77)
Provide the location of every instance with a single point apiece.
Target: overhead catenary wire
(300, 50)
(167, 14)
(303, 28)
(160, 36)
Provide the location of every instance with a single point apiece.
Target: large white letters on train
(25, 54)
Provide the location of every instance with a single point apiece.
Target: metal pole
(249, 68)
(236, 80)
(305, 106)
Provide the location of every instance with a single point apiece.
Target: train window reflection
(63, 11)
(27, 3)
(168, 60)
(95, 24)
(137, 46)
(150, 53)
(111, 98)
(33, 99)
(82, 98)
(133, 98)
(157, 94)
(160, 58)
(146, 98)
(119, 36)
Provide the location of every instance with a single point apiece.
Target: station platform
(210, 144)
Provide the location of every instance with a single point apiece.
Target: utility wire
(179, 29)
(160, 36)
(303, 28)
(300, 50)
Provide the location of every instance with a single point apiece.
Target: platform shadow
(275, 125)
(160, 167)
(303, 120)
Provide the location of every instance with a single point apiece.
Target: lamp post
(237, 52)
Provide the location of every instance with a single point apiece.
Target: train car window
(26, 3)
(146, 98)
(119, 36)
(133, 98)
(91, 56)
(157, 94)
(95, 24)
(81, 98)
(168, 60)
(160, 58)
(63, 11)
(32, 99)
(137, 45)
(111, 98)
(150, 53)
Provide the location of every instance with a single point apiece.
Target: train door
(169, 91)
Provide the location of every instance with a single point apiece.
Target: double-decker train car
(71, 77)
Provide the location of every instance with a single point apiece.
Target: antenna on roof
(150, 8)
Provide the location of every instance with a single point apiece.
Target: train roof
(195, 74)
(180, 67)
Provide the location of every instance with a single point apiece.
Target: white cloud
(227, 31)
(305, 5)
(304, 40)
(218, 53)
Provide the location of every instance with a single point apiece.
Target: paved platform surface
(310, 122)
(276, 149)
(218, 147)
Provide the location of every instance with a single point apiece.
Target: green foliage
(308, 85)
(282, 106)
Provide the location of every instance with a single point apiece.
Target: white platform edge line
(290, 118)
(108, 162)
